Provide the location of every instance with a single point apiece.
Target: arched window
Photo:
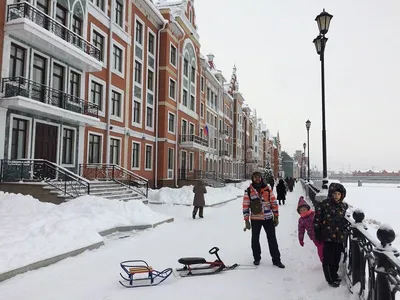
(189, 75)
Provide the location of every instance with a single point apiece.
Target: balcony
(193, 142)
(30, 25)
(29, 96)
(224, 153)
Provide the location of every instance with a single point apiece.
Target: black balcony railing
(40, 170)
(27, 11)
(19, 86)
(372, 266)
(193, 138)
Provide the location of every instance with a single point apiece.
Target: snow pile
(243, 185)
(184, 195)
(32, 231)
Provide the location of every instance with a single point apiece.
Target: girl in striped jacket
(306, 224)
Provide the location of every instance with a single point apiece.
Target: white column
(3, 121)
(81, 144)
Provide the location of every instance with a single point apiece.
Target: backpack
(256, 206)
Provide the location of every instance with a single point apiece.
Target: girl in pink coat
(306, 224)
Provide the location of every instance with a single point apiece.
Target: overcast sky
(270, 41)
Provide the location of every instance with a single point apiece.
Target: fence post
(356, 265)
(382, 289)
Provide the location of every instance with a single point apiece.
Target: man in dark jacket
(329, 227)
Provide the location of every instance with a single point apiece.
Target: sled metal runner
(198, 266)
(150, 277)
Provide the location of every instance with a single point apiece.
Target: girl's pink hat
(302, 203)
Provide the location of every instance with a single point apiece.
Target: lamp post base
(325, 183)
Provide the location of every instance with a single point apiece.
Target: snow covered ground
(184, 195)
(93, 275)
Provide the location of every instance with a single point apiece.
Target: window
(136, 112)
(19, 139)
(68, 144)
(193, 75)
(17, 61)
(172, 89)
(173, 55)
(185, 67)
(99, 3)
(58, 78)
(75, 84)
(96, 94)
(191, 161)
(202, 110)
(149, 117)
(170, 158)
(94, 155)
(135, 155)
(43, 6)
(116, 99)
(201, 162)
(119, 13)
(191, 128)
(138, 72)
(202, 84)
(171, 123)
(149, 152)
(184, 127)
(151, 44)
(192, 104)
(150, 80)
(139, 33)
(185, 98)
(114, 151)
(77, 27)
(117, 55)
(61, 15)
(98, 41)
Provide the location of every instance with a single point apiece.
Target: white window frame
(191, 161)
(113, 117)
(82, 88)
(174, 129)
(176, 55)
(173, 162)
(140, 149)
(145, 157)
(169, 88)
(194, 127)
(202, 110)
(152, 118)
(123, 15)
(65, 75)
(201, 162)
(7, 54)
(93, 27)
(29, 134)
(74, 143)
(187, 126)
(134, 123)
(143, 33)
(48, 67)
(149, 31)
(115, 71)
(102, 112)
(120, 148)
(88, 143)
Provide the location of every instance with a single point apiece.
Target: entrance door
(46, 141)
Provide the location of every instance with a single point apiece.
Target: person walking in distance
(260, 210)
(198, 201)
(281, 191)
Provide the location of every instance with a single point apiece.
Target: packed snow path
(94, 275)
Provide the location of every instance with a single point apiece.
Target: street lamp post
(323, 20)
(304, 158)
(308, 125)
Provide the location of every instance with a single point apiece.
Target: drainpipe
(177, 109)
(110, 39)
(156, 102)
